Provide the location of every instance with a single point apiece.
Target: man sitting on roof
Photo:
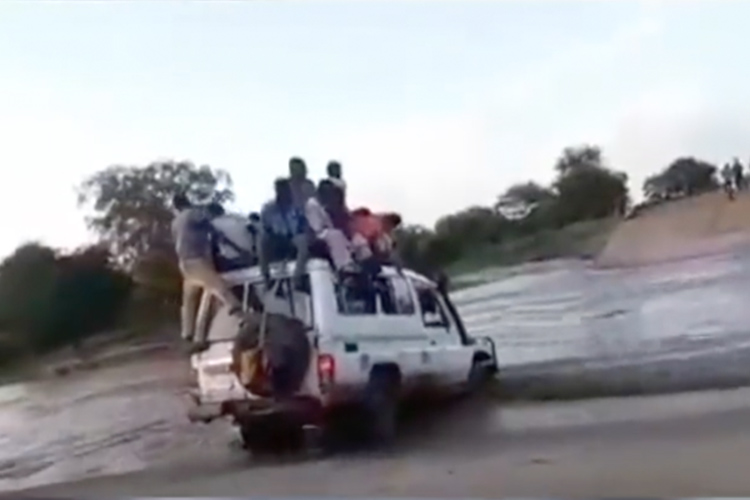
(283, 232)
(302, 188)
(329, 222)
(376, 230)
(333, 169)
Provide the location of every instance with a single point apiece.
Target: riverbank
(579, 241)
(105, 350)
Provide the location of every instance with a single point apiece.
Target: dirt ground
(124, 432)
(701, 454)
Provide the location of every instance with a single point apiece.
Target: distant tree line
(683, 177)
(584, 188)
(50, 298)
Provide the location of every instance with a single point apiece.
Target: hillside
(691, 227)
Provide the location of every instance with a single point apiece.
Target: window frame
(379, 310)
(445, 322)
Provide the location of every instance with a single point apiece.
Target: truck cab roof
(252, 274)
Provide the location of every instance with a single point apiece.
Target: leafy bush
(48, 300)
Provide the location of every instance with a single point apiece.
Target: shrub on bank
(49, 299)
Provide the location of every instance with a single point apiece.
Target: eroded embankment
(693, 227)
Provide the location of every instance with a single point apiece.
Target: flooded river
(132, 417)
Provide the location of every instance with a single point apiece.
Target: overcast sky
(430, 106)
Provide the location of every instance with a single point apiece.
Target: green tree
(414, 243)
(576, 157)
(48, 300)
(27, 286)
(586, 188)
(471, 225)
(685, 175)
(131, 205)
(527, 192)
(535, 202)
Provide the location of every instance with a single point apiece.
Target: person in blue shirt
(283, 232)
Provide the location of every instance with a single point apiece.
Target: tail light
(326, 370)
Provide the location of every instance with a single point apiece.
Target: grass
(580, 240)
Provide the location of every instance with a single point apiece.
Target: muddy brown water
(130, 421)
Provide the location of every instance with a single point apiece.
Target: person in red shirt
(377, 230)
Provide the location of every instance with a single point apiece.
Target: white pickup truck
(369, 355)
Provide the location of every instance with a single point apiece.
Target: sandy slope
(703, 225)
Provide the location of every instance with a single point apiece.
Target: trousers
(199, 275)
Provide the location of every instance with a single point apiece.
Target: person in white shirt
(322, 226)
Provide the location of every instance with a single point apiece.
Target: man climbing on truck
(191, 233)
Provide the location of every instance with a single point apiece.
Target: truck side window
(433, 313)
(395, 296)
(354, 299)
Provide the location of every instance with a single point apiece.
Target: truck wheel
(272, 436)
(479, 376)
(253, 439)
(382, 406)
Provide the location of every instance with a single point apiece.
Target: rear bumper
(303, 409)
(199, 411)
(204, 413)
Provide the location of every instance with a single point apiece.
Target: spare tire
(285, 355)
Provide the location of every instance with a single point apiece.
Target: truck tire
(479, 377)
(381, 402)
(253, 439)
(265, 437)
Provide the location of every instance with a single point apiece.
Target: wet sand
(698, 453)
